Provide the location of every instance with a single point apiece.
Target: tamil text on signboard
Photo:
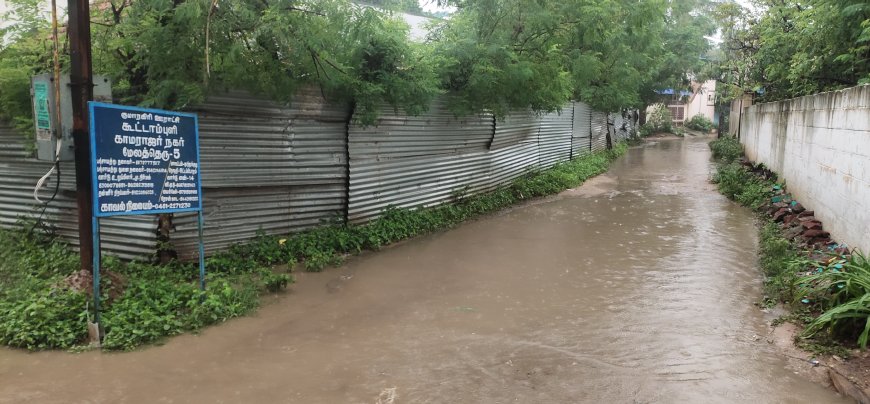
(144, 161)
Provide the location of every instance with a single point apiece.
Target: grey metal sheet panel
(266, 167)
(414, 161)
(306, 103)
(246, 141)
(438, 131)
(516, 147)
(509, 163)
(554, 137)
(389, 170)
(581, 131)
(517, 127)
(599, 131)
(413, 182)
(233, 215)
(130, 237)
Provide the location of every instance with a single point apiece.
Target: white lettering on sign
(145, 161)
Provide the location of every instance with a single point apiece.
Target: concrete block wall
(820, 145)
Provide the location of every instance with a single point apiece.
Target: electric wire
(58, 130)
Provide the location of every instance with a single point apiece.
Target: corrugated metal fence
(124, 236)
(416, 160)
(410, 162)
(266, 168)
(276, 169)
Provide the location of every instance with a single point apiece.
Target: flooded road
(636, 288)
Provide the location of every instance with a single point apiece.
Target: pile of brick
(801, 225)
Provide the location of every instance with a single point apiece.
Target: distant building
(703, 101)
(418, 25)
(683, 104)
(675, 101)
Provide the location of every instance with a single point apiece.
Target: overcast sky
(432, 6)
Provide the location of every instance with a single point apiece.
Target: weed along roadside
(824, 286)
(44, 299)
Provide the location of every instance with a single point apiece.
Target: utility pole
(82, 90)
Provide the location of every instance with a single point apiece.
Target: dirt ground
(850, 377)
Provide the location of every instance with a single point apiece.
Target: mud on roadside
(850, 377)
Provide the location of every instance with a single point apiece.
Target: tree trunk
(165, 251)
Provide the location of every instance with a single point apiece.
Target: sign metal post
(144, 162)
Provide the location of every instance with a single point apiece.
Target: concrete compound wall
(820, 145)
(738, 106)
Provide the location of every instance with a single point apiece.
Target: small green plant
(799, 315)
(40, 309)
(700, 122)
(738, 183)
(823, 347)
(780, 262)
(842, 289)
(274, 282)
(646, 130)
(726, 149)
(659, 119)
(47, 319)
(152, 309)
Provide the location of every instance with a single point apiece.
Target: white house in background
(702, 101)
(3, 10)
(418, 26)
(684, 104)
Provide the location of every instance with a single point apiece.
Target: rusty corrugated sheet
(129, 237)
(266, 167)
(407, 161)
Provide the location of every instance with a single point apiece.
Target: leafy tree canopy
(489, 55)
(506, 54)
(785, 48)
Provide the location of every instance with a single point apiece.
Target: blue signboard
(144, 161)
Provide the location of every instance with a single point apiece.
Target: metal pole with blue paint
(144, 162)
(201, 254)
(95, 227)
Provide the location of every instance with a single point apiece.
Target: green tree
(170, 53)
(408, 6)
(491, 55)
(506, 54)
(501, 55)
(25, 50)
(791, 48)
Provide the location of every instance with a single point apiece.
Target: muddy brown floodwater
(637, 287)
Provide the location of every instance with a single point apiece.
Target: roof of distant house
(670, 91)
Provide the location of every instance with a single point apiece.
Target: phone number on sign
(172, 205)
